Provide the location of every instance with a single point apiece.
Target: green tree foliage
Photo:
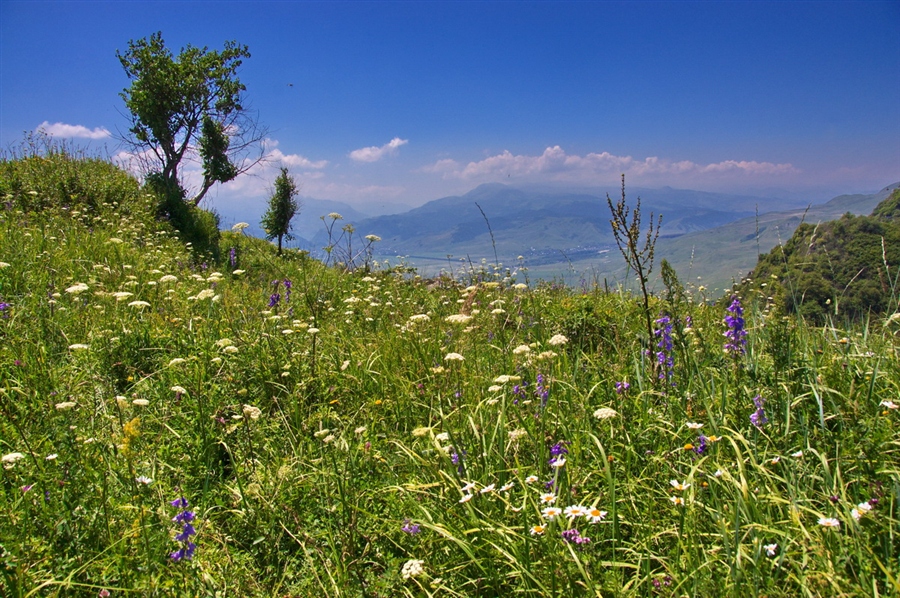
(282, 208)
(186, 107)
(845, 268)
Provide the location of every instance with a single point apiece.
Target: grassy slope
(359, 422)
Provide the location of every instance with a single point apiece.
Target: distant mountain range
(525, 221)
(566, 234)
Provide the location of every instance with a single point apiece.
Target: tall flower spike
(186, 551)
(664, 357)
(735, 335)
(758, 418)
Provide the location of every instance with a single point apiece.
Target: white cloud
(80, 131)
(295, 160)
(373, 154)
(446, 165)
(555, 164)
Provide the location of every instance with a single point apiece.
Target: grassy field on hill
(272, 426)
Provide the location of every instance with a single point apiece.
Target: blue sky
(375, 102)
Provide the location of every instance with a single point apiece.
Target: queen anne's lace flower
(9, 459)
(78, 287)
(458, 319)
(412, 568)
(605, 413)
(558, 339)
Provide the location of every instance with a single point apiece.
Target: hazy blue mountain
(537, 220)
(565, 232)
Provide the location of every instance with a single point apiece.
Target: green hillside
(843, 268)
(176, 425)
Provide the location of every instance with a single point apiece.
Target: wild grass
(370, 433)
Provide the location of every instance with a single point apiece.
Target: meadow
(284, 426)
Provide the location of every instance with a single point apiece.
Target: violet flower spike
(758, 418)
(736, 336)
(664, 356)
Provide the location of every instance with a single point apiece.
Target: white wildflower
(605, 413)
(412, 568)
(458, 319)
(515, 435)
(558, 339)
(252, 412)
(9, 459)
(78, 287)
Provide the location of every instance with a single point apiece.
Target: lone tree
(282, 209)
(189, 108)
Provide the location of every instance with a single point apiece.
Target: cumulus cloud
(447, 165)
(555, 164)
(73, 131)
(373, 154)
(295, 160)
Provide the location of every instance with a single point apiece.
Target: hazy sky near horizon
(371, 102)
